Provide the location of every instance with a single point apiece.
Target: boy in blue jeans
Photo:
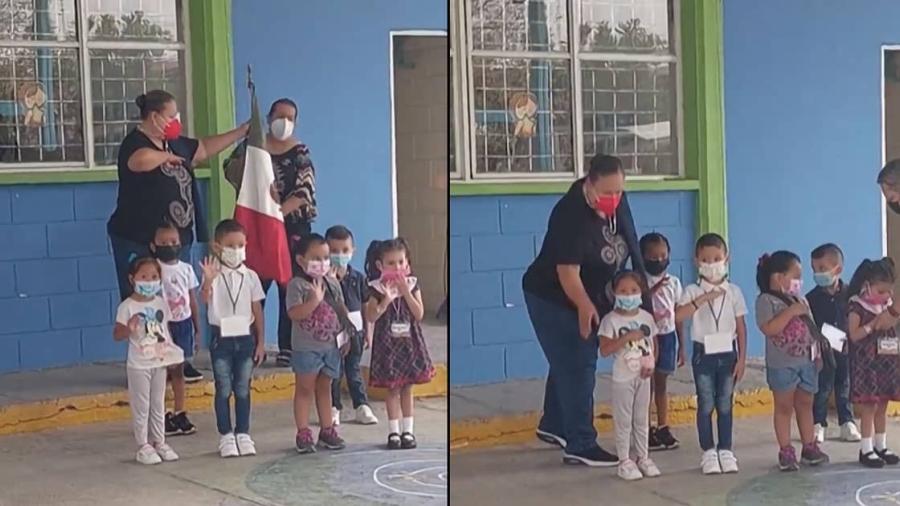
(828, 302)
(353, 286)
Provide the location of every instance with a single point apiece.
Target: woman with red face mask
(157, 184)
(590, 237)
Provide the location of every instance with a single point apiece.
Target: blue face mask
(824, 279)
(147, 288)
(341, 260)
(628, 302)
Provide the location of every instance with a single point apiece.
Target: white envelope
(718, 343)
(235, 326)
(835, 336)
(356, 319)
(342, 339)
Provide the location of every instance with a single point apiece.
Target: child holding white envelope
(828, 302)
(719, 334)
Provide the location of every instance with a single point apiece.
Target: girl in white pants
(143, 319)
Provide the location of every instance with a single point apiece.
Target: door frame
(395, 220)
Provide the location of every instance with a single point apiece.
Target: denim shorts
(183, 335)
(804, 377)
(328, 362)
(667, 360)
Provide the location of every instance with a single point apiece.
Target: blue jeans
(125, 251)
(232, 362)
(837, 380)
(355, 383)
(569, 393)
(714, 380)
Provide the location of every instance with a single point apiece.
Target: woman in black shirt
(157, 183)
(295, 189)
(590, 236)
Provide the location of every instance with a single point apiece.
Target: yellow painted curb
(111, 406)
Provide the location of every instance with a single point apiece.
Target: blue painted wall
(58, 291)
(803, 129)
(492, 241)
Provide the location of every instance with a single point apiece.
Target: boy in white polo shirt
(716, 309)
(233, 295)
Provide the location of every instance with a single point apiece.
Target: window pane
(117, 78)
(40, 106)
(636, 26)
(146, 20)
(629, 111)
(523, 120)
(519, 25)
(37, 20)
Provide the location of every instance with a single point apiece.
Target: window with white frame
(71, 69)
(551, 83)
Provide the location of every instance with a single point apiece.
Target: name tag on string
(720, 342)
(235, 326)
(836, 337)
(889, 346)
(400, 329)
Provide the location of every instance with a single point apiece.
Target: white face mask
(234, 257)
(714, 272)
(282, 128)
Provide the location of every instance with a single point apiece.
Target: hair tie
(763, 258)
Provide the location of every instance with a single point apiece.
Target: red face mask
(173, 129)
(607, 204)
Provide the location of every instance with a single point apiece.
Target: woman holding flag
(157, 183)
(294, 190)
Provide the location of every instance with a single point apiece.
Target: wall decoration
(33, 97)
(522, 110)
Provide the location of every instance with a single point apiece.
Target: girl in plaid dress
(399, 355)
(874, 357)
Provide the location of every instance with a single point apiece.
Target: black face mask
(167, 253)
(656, 267)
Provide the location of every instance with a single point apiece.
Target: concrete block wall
(58, 291)
(493, 239)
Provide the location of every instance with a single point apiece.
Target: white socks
(880, 442)
(408, 424)
(865, 445)
(394, 426)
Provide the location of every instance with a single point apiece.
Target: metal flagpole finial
(250, 78)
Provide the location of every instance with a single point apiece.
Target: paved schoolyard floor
(94, 466)
(533, 474)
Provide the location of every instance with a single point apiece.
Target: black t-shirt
(147, 198)
(576, 235)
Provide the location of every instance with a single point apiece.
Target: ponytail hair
(376, 251)
(871, 271)
(777, 263)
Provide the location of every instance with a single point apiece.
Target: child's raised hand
(712, 295)
(798, 308)
(401, 286)
(318, 289)
(210, 267)
(635, 335)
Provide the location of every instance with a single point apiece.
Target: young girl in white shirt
(143, 319)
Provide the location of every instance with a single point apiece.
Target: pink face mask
(875, 299)
(796, 287)
(318, 268)
(388, 275)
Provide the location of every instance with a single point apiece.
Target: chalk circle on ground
(361, 476)
(830, 485)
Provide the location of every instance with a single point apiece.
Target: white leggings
(147, 393)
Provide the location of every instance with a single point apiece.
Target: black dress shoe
(394, 442)
(871, 459)
(890, 458)
(407, 441)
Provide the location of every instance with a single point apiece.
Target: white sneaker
(245, 445)
(850, 432)
(147, 455)
(228, 446)
(728, 461)
(648, 468)
(335, 417)
(710, 462)
(365, 416)
(166, 453)
(819, 433)
(629, 471)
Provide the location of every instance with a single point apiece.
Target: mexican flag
(257, 211)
